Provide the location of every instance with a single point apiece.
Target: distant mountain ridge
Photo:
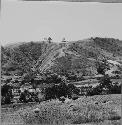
(76, 56)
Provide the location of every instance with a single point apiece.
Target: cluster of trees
(59, 87)
(27, 96)
(102, 66)
(105, 87)
(61, 90)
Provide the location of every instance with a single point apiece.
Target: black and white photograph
(61, 62)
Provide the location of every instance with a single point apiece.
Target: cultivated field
(95, 110)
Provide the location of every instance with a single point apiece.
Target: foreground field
(95, 110)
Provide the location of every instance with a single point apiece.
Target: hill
(65, 57)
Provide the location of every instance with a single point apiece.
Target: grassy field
(95, 110)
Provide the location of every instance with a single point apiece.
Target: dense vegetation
(58, 87)
(105, 87)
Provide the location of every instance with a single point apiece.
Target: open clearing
(94, 110)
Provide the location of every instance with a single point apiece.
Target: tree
(33, 83)
(49, 93)
(62, 89)
(102, 66)
(24, 97)
(57, 86)
(97, 90)
(105, 83)
(72, 90)
(6, 92)
(52, 78)
(49, 39)
(115, 88)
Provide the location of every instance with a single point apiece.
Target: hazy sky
(32, 21)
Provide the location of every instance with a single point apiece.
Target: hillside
(65, 57)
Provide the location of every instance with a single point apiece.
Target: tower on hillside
(63, 40)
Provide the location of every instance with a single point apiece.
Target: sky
(33, 21)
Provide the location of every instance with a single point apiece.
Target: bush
(115, 88)
(25, 96)
(52, 78)
(105, 87)
(102, 66)
(62, 89)
(56, 91)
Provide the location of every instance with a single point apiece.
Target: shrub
(102, 66)
(115, 88)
